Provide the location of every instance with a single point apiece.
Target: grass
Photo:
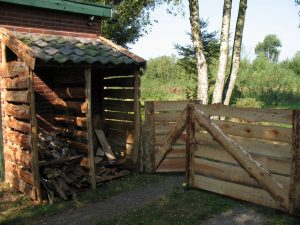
(23, 211)
(192, 207)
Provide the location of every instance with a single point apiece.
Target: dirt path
(115, 205)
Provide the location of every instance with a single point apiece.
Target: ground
(140, 200)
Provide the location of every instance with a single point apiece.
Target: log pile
(64, 171)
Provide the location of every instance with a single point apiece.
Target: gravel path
(115, 205)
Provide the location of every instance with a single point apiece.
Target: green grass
(23, 211)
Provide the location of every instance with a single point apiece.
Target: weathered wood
(18, 138)
(3, 54)
(294, 197)
(111, 177)
(231, 173)
(172, 137)
(190, 144)
(18, 172)
(118, 116)
(119, 105)
(11, 122)
(119, 82)
(105, 145)
(80, 147)
(15, 83)
(77, 134)
(119, 93)
(18, 156)
(137, 120)
(34, 149)
(168, 106)
(250, 194)
(79, 107)
(119, 125)
(17, 111)
(71, 120)
(70, 92)
(160, 139)
(59, 189)
(172, 165)
(253, 167)
(14, 69)
(18, 47)
(60, 160)
(16, 96)
(88, 94)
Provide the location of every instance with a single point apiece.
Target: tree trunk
(224, 47)
(236, 55)
(200, 58)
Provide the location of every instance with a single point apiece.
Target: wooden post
(294, 194)
(137, 119)
(190, 144)
(88, 90)
(149, 137)
(34, 148)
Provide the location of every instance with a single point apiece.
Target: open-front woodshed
(67, 102)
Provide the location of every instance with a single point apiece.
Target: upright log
(137, 120)
(88, 89)
(149, 152)
(190, 144)
(295, 171)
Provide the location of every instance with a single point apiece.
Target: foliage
(248, 103)
(270, 48)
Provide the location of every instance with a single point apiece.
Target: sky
(263, 17)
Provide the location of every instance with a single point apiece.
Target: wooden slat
(71, 120)
(245, 193)
(79, 107)
(11, 122)
(16, 83)
(249, 114)
(20, 139)
(160, 139)
(161, 106)
(119, 82)
(219, 154)
(16, 96)
(118, 116)
(232, 173)
(17, 111)
(20, 185)
(166, 117)
(172, 165)
(14, 69)
(119, 105)
(260, 147)
(18, 172)
(119, 125)
(163, 128)
(70, 92)
(17, 156)
(119, 93)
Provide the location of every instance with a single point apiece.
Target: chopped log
(71, 120)
(16, 83)
(70, 92)
(77, 134)
(11, 122)
(20, 139)
(137, 120)
(14, 69)
(105, 145)
(60, 160)
(59, 190)
(17, 155)
(16, 96)
(111, 177)
(18, 172)
(17, 111)
(78, 146)
(79, 107)
(254, 168)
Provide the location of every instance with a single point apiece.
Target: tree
(199, 52)
(224, 47)
(236, 54)
(270, 47)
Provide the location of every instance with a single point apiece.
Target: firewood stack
(64, 172)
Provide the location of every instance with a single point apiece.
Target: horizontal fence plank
(15, 83)
(216, 153)
(161, 106)
(119, 93)
(172, 165)
(119, 82)
(16, 96)
(160, 139)
(242, 192)
(119, 105)
(260, 147)
(248, 114)
(166, 116)
(232, 173)
(18, 172)
(118, 116)
(70, 92)
(13, 69)
(163, 128)
(17, 155)
(17, 111)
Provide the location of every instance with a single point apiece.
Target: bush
(248, 103)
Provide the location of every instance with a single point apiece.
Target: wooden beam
(295, 176)
(17, 111)
(253, 167)
(137, 120)
(16, 83)
(11, 122)
(34, 148)
(105, 145)
(16, 96)
(18, 47)
(149, 137)
(88, 89)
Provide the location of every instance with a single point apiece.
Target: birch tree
(224, 48)
(236, 54)
(202, 71)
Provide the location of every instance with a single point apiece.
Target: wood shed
(71, 85)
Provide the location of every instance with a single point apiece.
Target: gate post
(190, 143)
(294, 194)
(149, 134)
